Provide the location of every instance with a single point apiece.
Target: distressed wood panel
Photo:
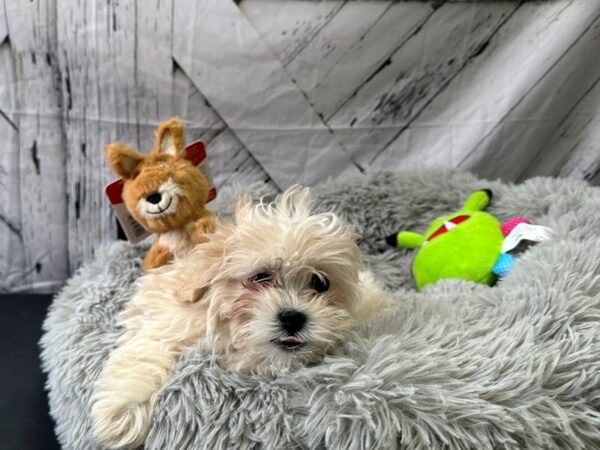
(288, 26)
(238, 165)
(478, 98)
(403, 85)
(335, 38)
(277, 124)
(3, 25)
(573, 150)
(154, 66)
(32, 35)
(229, 158)
(508, 148)
(508, 152)
(367, 54)
(12, 254)
(335, 62)
(202, 121)
(100, 105)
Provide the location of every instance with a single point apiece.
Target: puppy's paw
(119, 422)
(189, 293)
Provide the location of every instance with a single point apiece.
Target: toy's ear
(122, 159)
(405, 239)
(170, 139)
(478, 201)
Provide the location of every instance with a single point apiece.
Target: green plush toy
(467, 245)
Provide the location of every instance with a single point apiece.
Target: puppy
(273, 292)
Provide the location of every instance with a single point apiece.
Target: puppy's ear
(170, 139)
(122, 159)
(198, 270)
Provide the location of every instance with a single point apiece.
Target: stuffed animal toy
(470, 244)
(164, 192)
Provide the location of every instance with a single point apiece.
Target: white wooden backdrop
(281, 92)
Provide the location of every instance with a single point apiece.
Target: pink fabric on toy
(509, 225)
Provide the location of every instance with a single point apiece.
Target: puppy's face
(284, 292)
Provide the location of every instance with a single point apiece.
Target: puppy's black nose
(154, 198)
(292, 320)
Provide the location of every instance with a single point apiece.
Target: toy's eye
(319, 283)
(260, 278)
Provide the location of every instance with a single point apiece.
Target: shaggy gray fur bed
(456, 367)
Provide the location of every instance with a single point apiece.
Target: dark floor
(24, 420)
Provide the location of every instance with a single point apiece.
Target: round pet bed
(458, 366)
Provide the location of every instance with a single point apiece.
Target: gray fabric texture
(459, 366)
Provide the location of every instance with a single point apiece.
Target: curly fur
(459, 366)
(209, 298)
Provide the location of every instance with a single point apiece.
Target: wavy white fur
(212, 298)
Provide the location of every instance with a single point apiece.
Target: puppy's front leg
(128, 388)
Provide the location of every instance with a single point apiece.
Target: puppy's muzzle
(292, 320)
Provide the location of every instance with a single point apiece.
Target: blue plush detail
(504, 264)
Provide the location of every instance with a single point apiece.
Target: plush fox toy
(164, 192)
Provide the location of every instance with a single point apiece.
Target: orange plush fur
(164, 192)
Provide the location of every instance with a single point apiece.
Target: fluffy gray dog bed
(456, 367)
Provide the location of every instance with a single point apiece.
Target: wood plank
(12, 255)
(476, 100)
(154, 67)
(12, 252)
(401, 87)
(202, 121)
(232, 163)
(32, 33)
(288, 26)
(100, 106)
(276, 122)
(584, 163)
(322, 53)
(573, 149)
(3, 25)
(510, 145)
(229, 159)
(370, 52)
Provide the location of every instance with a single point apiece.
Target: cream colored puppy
(274, 291)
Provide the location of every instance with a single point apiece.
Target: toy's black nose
(292, 320)
(392, 240)
(154, 198)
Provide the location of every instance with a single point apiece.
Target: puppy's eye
(261, 277)
(162, 165)
(319, 283)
